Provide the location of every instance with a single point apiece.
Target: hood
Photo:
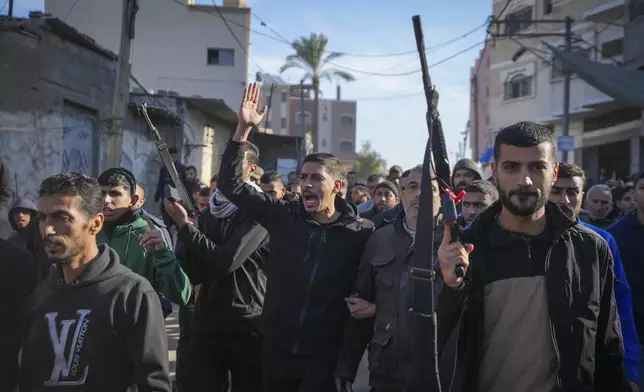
(467, 163)
(105, 266)
(218, 196)
(22, 203)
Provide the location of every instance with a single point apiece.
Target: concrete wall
(169, 51)
(480, 132)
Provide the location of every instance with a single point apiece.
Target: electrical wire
(71, 9)
(4, 5)
(402, 96)
(505, 7)
(409, 72)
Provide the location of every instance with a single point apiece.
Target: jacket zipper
(307, 300)
(552, 329)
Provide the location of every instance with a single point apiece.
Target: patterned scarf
(221, 207)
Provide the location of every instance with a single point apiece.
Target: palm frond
(334, 73)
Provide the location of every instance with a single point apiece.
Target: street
(172, 330)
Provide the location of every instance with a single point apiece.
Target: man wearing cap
(139, 244)
(385, 197)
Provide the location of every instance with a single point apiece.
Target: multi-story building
(633, 33)
(178, 46)
(527, 84)
(479, 123)
(337, 117)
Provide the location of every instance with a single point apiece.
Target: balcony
(633, 48)
(604, 11)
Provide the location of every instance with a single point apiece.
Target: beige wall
(169, 51)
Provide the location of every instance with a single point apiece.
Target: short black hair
(118, 177)
(376, 177)
(88, 190)
(293, 173)
(570, 170)
(205, 192)
(271, 176)
(190, 168)
(214, 178)
(330, 162)
(395, 168)
(140, 184)
(524, 134)
(360, 188)
(484, 187)
(352, 172)
(253, 153)
(620, 191)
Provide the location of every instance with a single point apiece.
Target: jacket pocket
(380, 351)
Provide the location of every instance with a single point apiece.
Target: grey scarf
(221, 207)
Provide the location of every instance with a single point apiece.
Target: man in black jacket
(315, 251)
(227, 254)
(536, 307)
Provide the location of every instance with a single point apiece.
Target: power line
(402, 96)
(4, 5)
(410, 72)
(71, 9)
(505, 7)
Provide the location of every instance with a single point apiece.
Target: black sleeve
(609, 347)
(146, 344)
(358, 332)
(5, 185)
(259, 206)
(449, 302)
(160, 184)
(226, 258)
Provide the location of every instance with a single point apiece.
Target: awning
(623, 84)
(487, 156)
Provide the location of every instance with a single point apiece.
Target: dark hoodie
(19, 238)
(466, 163)
(104, 331)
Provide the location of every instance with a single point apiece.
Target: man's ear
(252, 168)
(96, 223)
(494, 168)
(134, 199)
(556, 172)
(337, 186)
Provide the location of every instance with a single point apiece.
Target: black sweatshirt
(104, 331)
(228, 257)
(312, 268)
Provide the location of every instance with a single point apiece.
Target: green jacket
(160, 268)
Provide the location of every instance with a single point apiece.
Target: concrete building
(337, 118)
(479, 120)
(56, 90)
(526, 82)
(178, 46)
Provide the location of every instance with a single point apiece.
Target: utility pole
(567, 35)
(268, 110)
(565, 129)
(121, 90)
(10, 12)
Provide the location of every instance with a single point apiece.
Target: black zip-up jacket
(312, 268)
(228, 257)
(583, 317)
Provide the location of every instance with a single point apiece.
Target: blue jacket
(624, 306)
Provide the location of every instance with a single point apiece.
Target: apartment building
(337, 117)
(178, 46)
(526, 80)
(479, 120)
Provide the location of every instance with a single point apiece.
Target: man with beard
(536, 308)
(385, 198)
(599, 204)
(628, 233)
(316, 246)
(227, 253)
(379, 307)
(479, 195)
(568, 193)
(271, 184)
(139, 244)
(465, 172)
(93, 325)
(372, 181)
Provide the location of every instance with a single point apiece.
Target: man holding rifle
(536, 306)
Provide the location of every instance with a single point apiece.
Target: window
(283, 123)
(346, 147)
(517, 87)
(284, 96)
(217, 56)
(346, 119)
(612, 48)
(519, 20)
(547, 7)
(557, 70)
(307, 118)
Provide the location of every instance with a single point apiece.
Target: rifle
(422, 274)
(168, 163)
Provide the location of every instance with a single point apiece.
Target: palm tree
(310, 57)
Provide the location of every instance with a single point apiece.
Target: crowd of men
(284, 286)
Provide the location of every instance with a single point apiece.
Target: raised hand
(152, 239)
(249, 116)
(451, 255)
(176, 211)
